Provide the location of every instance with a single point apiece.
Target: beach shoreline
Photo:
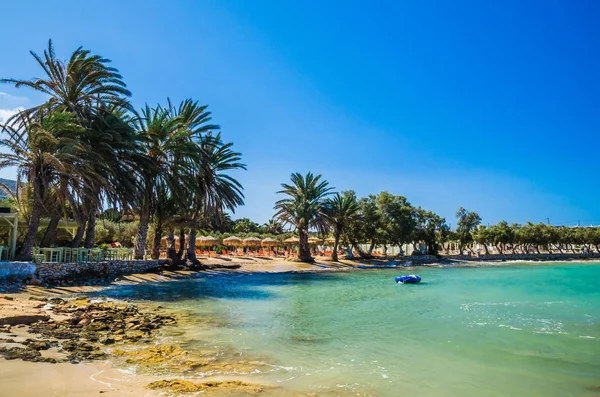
(105, 376)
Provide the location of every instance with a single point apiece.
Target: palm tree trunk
(90, 233)
(181, 244)
(156, 240)
(171, 254)
(191, 251)
(334, 254)
(304, 250)
(142, 235)
(50, 233)
(24, 253)
(76, 242)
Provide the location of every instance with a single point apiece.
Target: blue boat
(410, 279)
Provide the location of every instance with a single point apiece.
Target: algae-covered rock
(38, 344)
(22, 353)
(185, 386)
(171, 357)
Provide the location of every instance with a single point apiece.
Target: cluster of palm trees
(86, 148)
(382, 220)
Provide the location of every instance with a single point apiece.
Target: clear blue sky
(494, 106)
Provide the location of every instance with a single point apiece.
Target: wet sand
(27, 379)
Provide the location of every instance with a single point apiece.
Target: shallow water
(530, 330)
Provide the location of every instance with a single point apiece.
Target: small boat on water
(410, 279)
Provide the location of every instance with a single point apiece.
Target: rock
(23, 320)
(56, 301)
(185, 386)
(171, 357)
(37, 344)
(22, 353)
(8, 298)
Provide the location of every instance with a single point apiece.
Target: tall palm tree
(80, 85)
(303, 207)
(170, 137)
(44, 149)
(94, 92)
(339, 211)
(159, 133)
(216, 190)
(117, 156)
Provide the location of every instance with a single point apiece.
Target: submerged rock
(171, 357)
(185, 386)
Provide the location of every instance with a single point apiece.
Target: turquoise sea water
(522, 330)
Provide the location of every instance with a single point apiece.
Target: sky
(492, 106)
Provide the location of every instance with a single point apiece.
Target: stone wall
(57, 272)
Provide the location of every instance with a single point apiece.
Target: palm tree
(339, 211)
(170, 140)
(303, 208)
(82, 84)
(88, 88)
(159, 132)
(216, 191)
(273, 226)
(46, 148)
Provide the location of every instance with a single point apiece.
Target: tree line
(391, 220)
(87, 148)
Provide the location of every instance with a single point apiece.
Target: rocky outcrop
(229, 386)
(80, 330)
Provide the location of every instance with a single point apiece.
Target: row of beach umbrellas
(208, 241)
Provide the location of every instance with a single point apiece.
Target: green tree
(44, 149)
(339, 211)
(244, 226)
(303, 207)
(429, 229)
(398, 218)
(467, 223)
(273, 226)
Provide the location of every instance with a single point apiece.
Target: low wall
(16, 270)
(56, 272)
(524, 257)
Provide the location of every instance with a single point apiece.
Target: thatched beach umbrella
(207, 241)
(252, 242)
(233, 241)
(292, 240)
(314, 240)
(330, 240)
(270, 242)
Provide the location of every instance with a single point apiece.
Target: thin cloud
(5, 114)
(8, 101)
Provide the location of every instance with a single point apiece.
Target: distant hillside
(12, 185)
